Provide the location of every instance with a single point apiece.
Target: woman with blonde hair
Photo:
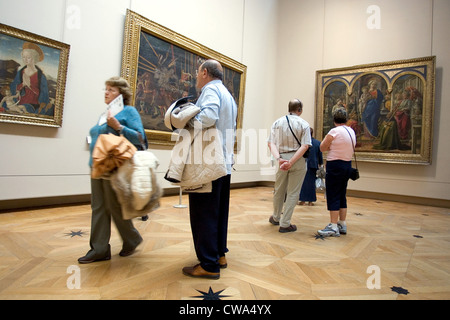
(30, 84)
(104, 202)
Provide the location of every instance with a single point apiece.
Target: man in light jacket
(209, 211)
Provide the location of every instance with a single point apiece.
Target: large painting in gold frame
(161, 66)
(390, 107)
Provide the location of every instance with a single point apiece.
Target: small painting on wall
(32, 78)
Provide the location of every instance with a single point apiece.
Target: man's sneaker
(328, 231)
(342, 229)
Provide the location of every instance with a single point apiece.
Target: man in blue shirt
(209, 211)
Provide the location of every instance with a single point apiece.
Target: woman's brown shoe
(198, 272)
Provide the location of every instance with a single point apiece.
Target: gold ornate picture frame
(390, 106)
(33, 72)
(161, 67)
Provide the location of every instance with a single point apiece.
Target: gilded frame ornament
(161, 66)
(390, 107)
(33, 72)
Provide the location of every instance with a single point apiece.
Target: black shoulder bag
(306, 154)
(354, 172)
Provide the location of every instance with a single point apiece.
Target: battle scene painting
(161, 66)
(167, 73)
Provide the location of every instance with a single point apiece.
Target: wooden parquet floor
(393, 245)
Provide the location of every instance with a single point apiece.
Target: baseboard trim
(15, 204)
(12, 205)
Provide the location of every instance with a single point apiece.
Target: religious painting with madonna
(390, 107)
(32, 78)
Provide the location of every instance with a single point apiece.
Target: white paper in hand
(114, 107)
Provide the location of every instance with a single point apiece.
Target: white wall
(326, 34)
(282, 43)
(48, 162)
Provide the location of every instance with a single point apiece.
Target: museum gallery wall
(281, 59)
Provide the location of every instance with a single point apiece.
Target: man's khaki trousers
(287, 190)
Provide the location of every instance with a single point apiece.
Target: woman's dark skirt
(308, 191)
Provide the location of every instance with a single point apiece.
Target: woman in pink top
(339, 143)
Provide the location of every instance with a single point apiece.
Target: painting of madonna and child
(30, 81)
(387, 108)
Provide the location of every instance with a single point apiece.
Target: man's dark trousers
(209, 223)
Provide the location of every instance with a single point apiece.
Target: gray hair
(123, 86)
(340, 115)
(214, 69)
(295, 106)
